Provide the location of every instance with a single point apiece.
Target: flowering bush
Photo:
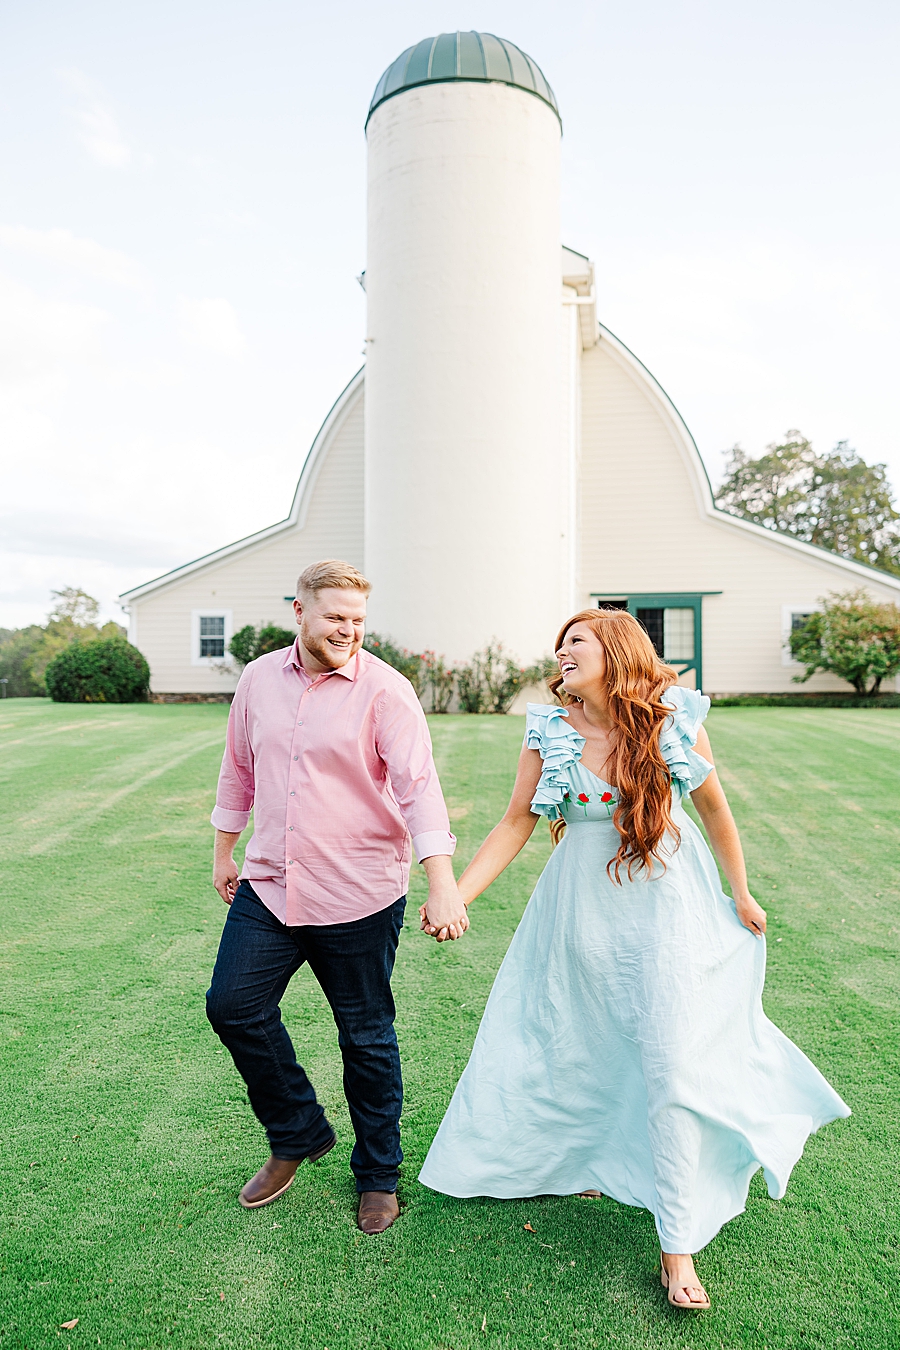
(488, 683)
(492, 679)
(441, 681)
(410, 664)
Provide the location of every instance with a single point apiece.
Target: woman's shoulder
(679, 736)
(548, 729)
(689, 710)
(547, 719)
(537, 713)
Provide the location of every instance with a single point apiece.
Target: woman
(624, 1049)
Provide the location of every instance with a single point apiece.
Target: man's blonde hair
(332, 572)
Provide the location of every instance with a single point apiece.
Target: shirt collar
(293, 658)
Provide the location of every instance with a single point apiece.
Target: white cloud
(67, 250)
(103, 539)
(26, 581)
(211, 324)
(98, 130)
(42, 339)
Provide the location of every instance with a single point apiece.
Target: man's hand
(443, 915)
(225, 874)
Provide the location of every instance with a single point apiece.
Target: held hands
(751, 915)
(443, 915)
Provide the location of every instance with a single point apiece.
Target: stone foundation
(191, 698)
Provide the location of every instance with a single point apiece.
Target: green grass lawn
(125, 1132)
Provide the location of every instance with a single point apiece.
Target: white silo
(465, 404)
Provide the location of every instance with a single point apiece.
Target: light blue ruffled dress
(624, 1047)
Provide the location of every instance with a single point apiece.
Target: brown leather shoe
(377, 1211)
(274, 1178)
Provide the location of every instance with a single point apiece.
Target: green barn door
(674, 626)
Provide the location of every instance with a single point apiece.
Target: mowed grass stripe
(126, 1133)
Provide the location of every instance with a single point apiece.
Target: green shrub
(852, 636)
(248, 643)
(492, 679)
(105, 670)
(471, 685)
(410, 664)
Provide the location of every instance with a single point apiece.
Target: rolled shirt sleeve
(432, 842)
(236, 787)
(404, 745)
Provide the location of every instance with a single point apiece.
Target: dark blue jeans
(353, 963)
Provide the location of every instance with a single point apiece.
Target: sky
(182, 221)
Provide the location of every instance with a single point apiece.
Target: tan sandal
(688, 1307)
(589, 1195)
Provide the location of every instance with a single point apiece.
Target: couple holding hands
(623, 1050)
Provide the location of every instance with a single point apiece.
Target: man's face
(332, 625)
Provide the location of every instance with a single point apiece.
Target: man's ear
(298, 610)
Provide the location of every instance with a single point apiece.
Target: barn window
(212, 635)
(211, 632)
(678, 634)
(670, 629)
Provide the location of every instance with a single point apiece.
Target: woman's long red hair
(636, 680)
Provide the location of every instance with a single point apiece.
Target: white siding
(644, 529)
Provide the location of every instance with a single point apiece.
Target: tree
(248, 642)
(105, 670)
(74, 607)
(834, 500)
(25, 653)
(852, 636)
(17, 647)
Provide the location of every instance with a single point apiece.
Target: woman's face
(582, 661)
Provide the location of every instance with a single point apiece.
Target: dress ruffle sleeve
(547, 730)
(679, 735)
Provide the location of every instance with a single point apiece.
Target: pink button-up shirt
(339, 772)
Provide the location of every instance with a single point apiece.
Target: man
(330, 748)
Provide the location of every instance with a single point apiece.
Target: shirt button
(296, 757)
(293, 794)
(300, 723)
(290, 827)
(290, 862)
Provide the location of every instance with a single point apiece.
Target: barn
(502, 459)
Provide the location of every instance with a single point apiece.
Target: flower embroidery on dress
(583, 799)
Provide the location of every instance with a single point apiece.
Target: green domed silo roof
(462, 56)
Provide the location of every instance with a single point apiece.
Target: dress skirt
(624, 1048)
